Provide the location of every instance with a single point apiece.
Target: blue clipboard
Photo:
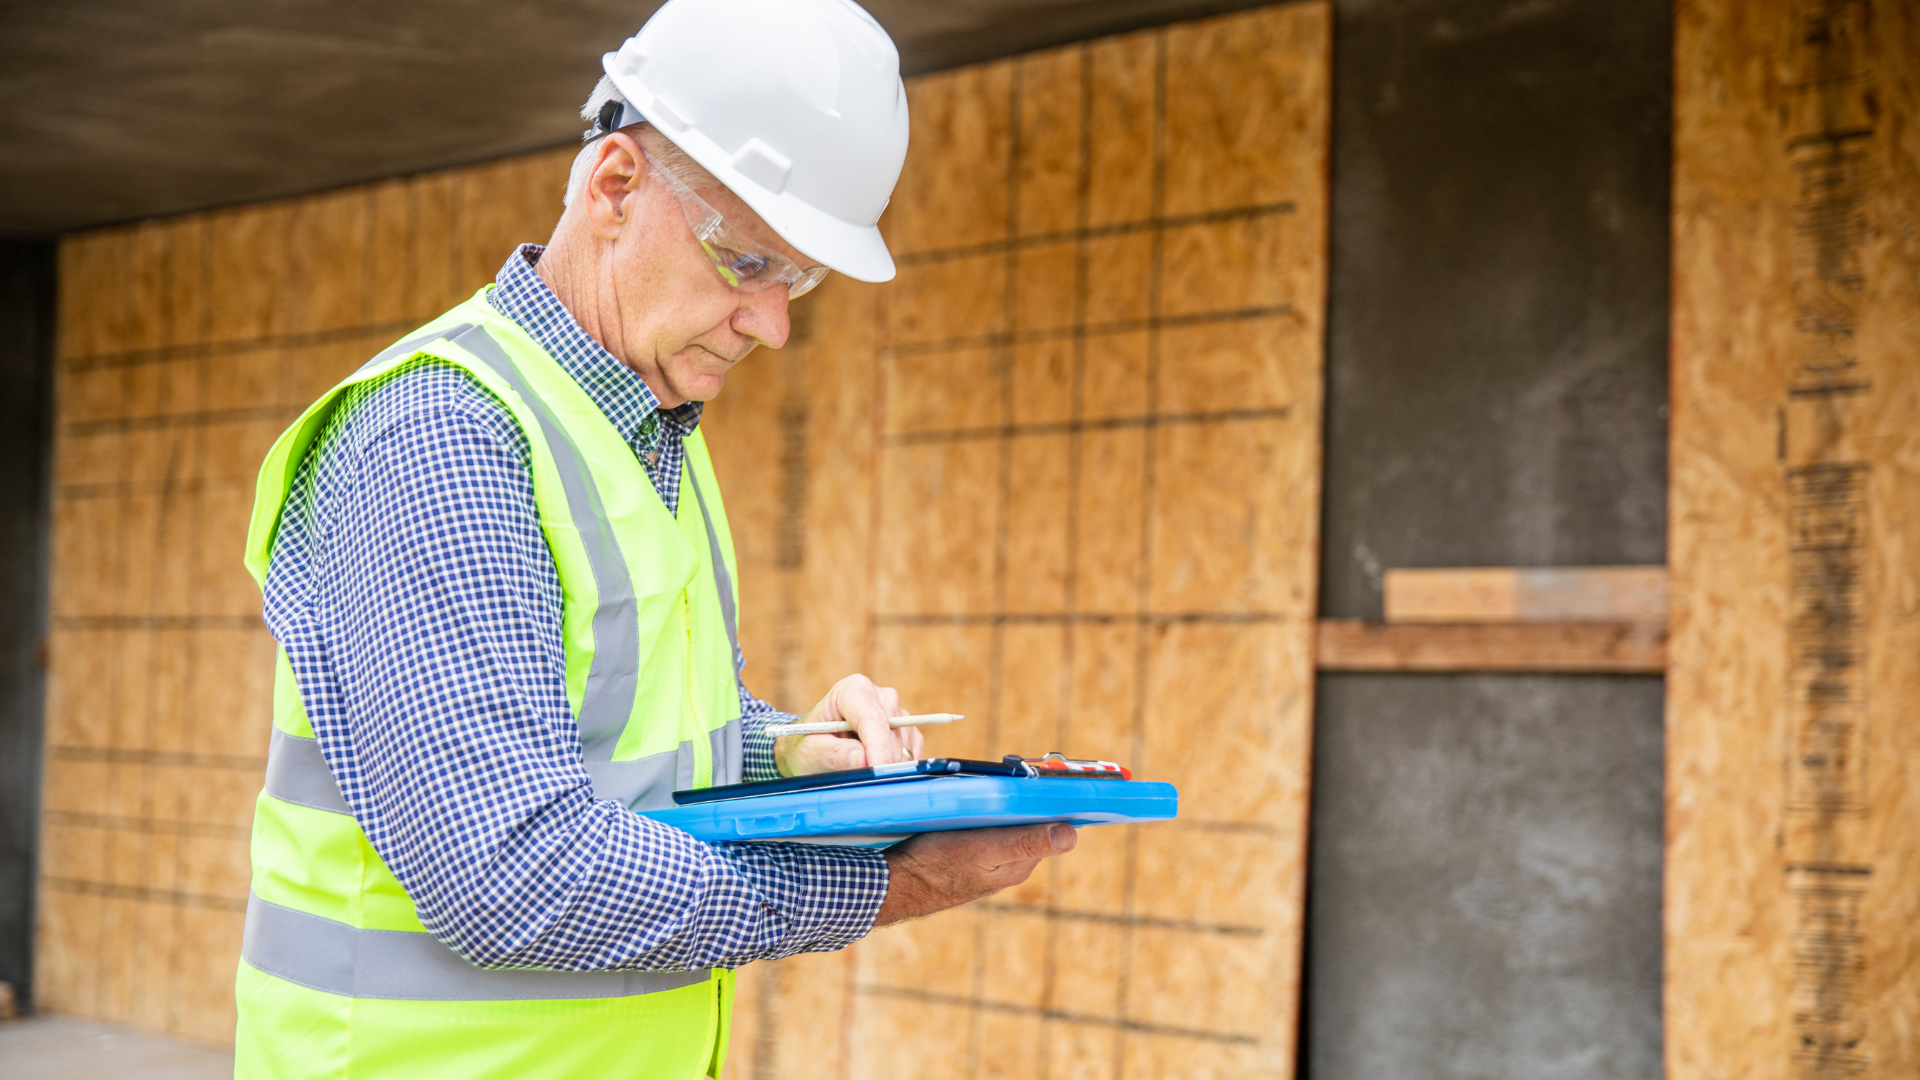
(877, 815)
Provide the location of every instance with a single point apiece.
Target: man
(499, 570)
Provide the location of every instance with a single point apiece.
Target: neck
(578, 270)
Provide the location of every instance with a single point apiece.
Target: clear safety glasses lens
(741, 264)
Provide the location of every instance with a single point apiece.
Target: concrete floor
(64, 1048)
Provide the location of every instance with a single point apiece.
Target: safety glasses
(740, 263)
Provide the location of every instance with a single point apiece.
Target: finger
(831, 752)
(988, 848)
(916, 742)
(890, 700)
(859, 702)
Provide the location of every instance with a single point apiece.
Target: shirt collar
(617, 389)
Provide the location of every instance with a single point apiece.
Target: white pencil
(827, 727)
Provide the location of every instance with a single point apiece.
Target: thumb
(1040, 841)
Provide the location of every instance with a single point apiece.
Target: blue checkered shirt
(415, 597)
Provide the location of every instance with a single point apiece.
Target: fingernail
(1061, 837)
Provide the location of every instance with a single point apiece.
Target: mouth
(724, 359)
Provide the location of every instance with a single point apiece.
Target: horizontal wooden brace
(1617, 648)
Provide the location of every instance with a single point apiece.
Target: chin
(706, 387)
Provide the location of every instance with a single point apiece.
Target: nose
(762, 316)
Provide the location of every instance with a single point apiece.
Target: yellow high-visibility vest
(338, 978)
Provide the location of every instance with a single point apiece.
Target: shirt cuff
(756, 759)
(827, 896)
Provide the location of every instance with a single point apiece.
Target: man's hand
(936, 871)
(872, 742)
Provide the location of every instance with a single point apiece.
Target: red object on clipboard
(1058, 764)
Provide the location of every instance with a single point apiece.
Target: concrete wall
(1485, 875)
(26, 350)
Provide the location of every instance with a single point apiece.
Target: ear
(611, 184)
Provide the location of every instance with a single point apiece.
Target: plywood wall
(185, 346)
(1793, 873)
(1063, 476)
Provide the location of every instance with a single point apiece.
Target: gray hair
(670, 157)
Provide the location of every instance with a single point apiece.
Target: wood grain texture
(1793, 801)
(1070, 489)
(1545, 647)
(184, 347)
(978, 483)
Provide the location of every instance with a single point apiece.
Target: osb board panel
(1794, 681)
(1063, 475)
(185, 346)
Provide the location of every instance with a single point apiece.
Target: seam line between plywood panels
(142, 894)
(1156, 268)
(83, 623)
(119, 489)
(1077, 426)
(1148, 921)
(111, 755)
(116, 823)
(1083, 233)
(80, 429)
(1125, 326)
(202, 349)
(881, 315)
(186, 458)
(985, 921)
(1080, 617)
(1070, 569)
(1120, 1025)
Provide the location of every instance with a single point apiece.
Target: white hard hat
(795, 105)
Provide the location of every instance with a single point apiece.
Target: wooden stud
(1567, 648)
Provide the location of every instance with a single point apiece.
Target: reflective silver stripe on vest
(297, 773)
(728, 766)
(729, 754)
(401, 965)
(648, 783)
(613, 680)
(720, 575)
(401, 348)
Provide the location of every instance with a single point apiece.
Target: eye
(744, 263)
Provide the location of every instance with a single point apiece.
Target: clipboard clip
(1057, 765)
